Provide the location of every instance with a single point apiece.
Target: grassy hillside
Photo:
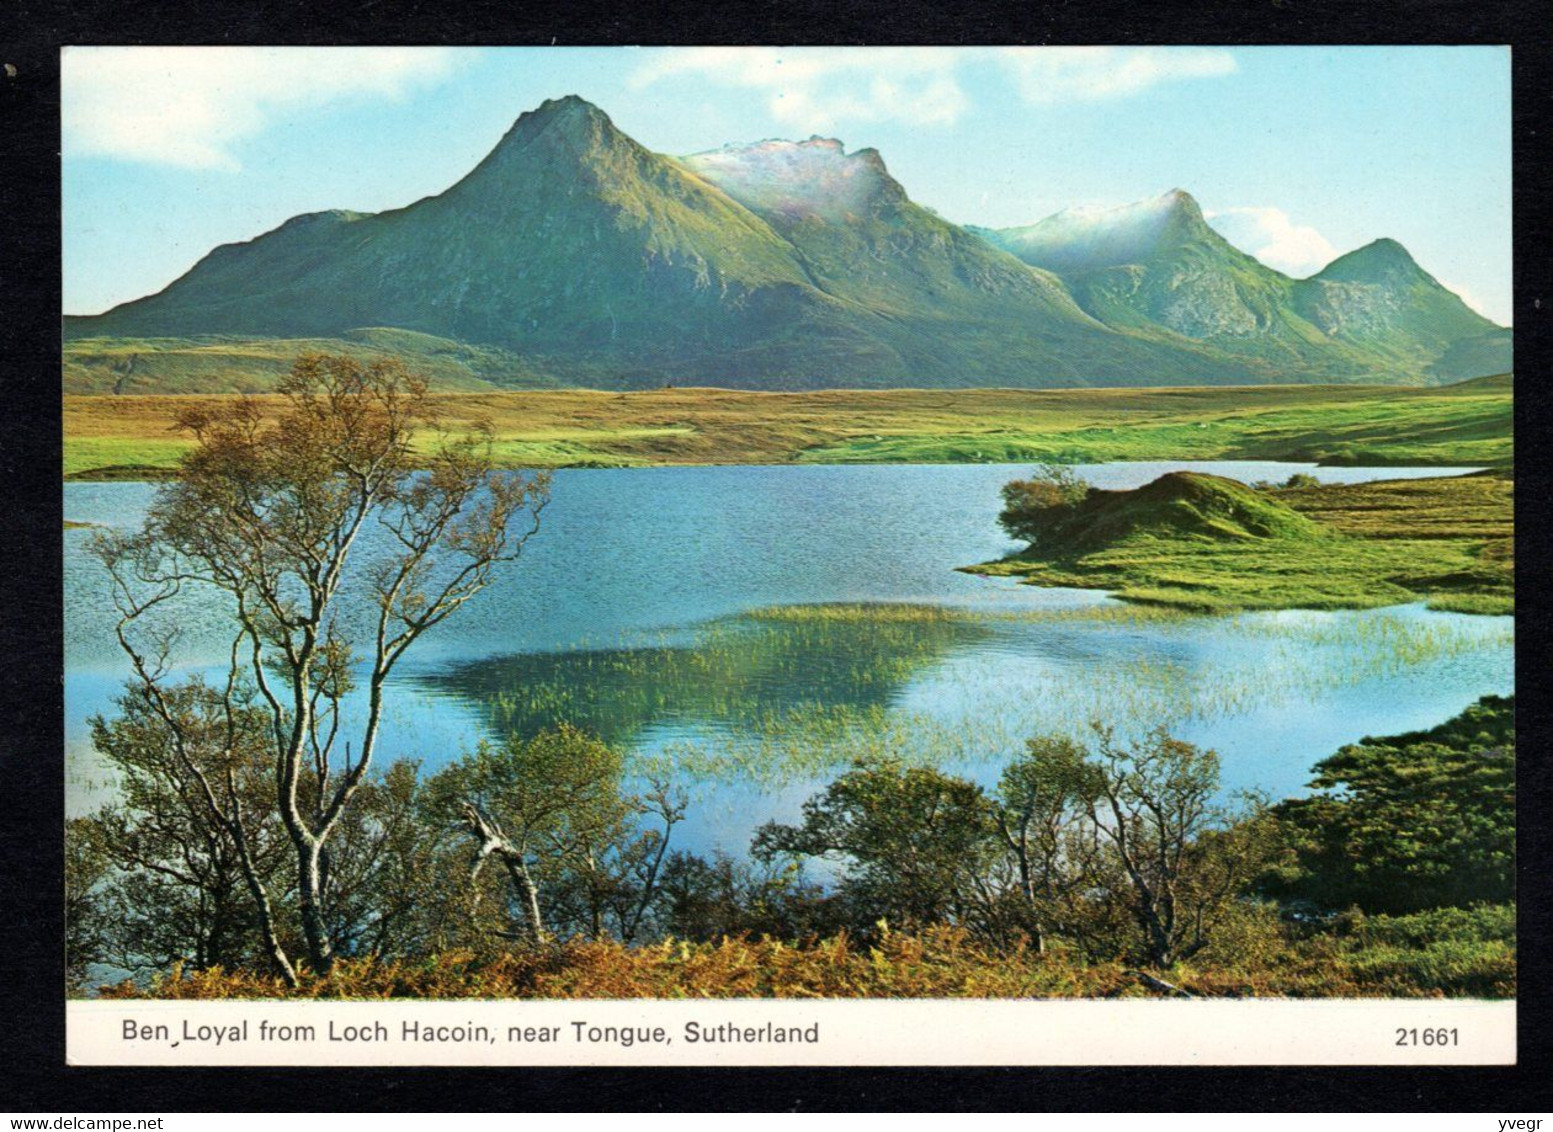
(1181, 505)
(1468, 424)
(1157, 269)
(572, 254)
(1206, 543)
(593, 258)
(1379, 300)
(1487, 353)
(216, 364)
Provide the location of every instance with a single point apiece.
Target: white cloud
(1046, 76)
(811, 87)
(187, 106)
(814, 87)
(1269, 235)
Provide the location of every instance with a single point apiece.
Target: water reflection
(737, 674)
(756, 627)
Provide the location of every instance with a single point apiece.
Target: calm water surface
(656, 608)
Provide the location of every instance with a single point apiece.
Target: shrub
(1412, 821)
(1254, 956)
(1031, 505)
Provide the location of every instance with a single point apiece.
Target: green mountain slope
(1486, 354)
(1379, 300)
(593, 261)
(572, 255)
(943, 304)
(214, 364)
(568, 239)
(1157, 268)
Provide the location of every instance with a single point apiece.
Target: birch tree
(335, 544)
(1187, 857)
(1039, 815)
(578, 854)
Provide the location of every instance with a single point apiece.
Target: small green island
(1212, 544)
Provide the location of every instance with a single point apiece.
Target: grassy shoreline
(1446, 541)
(130, 437)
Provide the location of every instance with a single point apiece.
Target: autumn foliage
(1450, 953)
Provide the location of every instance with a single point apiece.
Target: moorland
(1470, 423)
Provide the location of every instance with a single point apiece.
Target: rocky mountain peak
(570, 113)
(1088, 237)
(559, 128)
(785, 264)
(816, 177)
(1383, 261)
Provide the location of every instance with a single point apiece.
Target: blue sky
(1298, 154)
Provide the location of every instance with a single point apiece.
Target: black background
(33, 1076)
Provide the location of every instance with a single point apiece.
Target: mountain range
(573, 255)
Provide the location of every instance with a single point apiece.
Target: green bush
(1413, 821)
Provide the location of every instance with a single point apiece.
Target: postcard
(764, 556)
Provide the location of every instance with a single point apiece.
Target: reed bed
(788, 693)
